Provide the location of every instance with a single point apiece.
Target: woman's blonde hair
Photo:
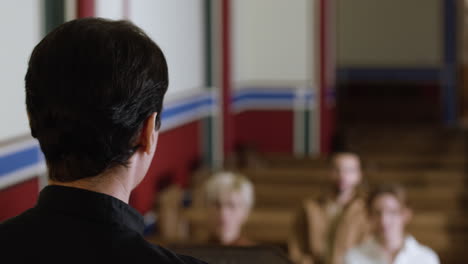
(225, 182)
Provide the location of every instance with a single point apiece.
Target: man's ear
(148, 136)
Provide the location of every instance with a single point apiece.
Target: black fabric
(236, 255)
(70, 225)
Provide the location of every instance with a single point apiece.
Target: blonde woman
(230, 197)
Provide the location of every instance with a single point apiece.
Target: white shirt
(370, 252)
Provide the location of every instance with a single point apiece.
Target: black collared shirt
(70, 225)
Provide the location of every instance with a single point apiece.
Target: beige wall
(273, 41)
(389, 33)
(177, 27)
(21, 31)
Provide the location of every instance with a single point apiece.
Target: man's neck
(112, 183)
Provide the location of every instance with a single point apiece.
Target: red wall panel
(18, 198)
(86, 8)
(266, 131)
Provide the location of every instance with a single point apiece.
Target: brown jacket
(319, 240)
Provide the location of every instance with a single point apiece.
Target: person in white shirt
(389, 243)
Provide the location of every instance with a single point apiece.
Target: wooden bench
(273, 226)
(290, 196)
(384, 161)
(322, 176)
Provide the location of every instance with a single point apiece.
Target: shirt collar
(409, 245)
(375, 248)
(94, 206)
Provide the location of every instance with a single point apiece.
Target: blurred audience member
(389, 243)
(230, 197)
(326, 227)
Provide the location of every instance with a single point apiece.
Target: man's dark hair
(90, 85)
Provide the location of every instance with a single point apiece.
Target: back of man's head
(90, 85)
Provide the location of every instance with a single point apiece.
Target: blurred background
(269, 88)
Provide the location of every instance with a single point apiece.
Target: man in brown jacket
(327, 226)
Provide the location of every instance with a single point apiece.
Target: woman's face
(388, 217)
(227, 215)
(346, 173)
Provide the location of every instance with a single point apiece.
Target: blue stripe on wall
(271, 97)
(180, 109)
(187, 107)
(12, 162)
(264, 96)
(17, 160)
